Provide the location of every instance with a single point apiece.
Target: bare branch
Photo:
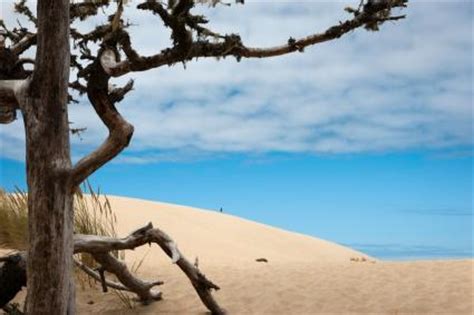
(214, 3)
(141, 288)
(83, 10)
(9, 104)
(22, 8)
(95, 275)
(24, 44)
(176, 20)
(13, 36)
(148, 234)
(99, 244)
(371, 16)
(9, 89)
(97, 76)
(120, 131)
(108, 60)
(76, 85)
(117, 94)
(199, 281)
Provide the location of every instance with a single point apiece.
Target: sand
(304, 275)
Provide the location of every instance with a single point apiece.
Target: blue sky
(366, 141)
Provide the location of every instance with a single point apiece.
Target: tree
(106, 52)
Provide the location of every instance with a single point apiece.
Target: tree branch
(24, 44)
(9, 104)
(83, 10)
(95, 275)
(100, 248)
(22, 8)
(370, 17)
(139, 287)
(117, 94)
(96, 245)
(176, 20)
(120, 131)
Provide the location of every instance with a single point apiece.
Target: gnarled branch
(120, 131)
(117, 94)
(176, 20)
(370, 16)
(96, 245)
(24, 44)
(141, 288)
(96, 276)
(83, 10)
(100, 248)
(9, 104)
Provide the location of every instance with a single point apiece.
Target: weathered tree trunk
(50, 202)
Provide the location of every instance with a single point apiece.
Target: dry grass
(92, 215)
(13, 220)
(126, 298)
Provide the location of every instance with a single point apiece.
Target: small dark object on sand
(262, 260)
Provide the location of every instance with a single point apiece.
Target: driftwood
(98, 245)
(12, 277)
(13, 271)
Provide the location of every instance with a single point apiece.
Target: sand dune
(225, 239)
(304, 275)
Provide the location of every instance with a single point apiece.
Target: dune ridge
(209, 233)
(303, 275)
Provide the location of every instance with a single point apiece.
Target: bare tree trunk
(50, 202)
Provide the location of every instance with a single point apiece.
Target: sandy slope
(304, 275)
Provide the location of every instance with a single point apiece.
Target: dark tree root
(12, 278)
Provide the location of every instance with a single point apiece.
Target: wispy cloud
(408, 86)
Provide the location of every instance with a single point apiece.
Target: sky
(366, 141)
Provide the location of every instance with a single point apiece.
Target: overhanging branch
(370, 16)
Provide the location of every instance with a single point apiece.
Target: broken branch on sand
(100, 248)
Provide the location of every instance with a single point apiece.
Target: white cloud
(408, 86)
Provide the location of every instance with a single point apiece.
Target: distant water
(412, 252)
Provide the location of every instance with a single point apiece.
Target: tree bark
(50, 202)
